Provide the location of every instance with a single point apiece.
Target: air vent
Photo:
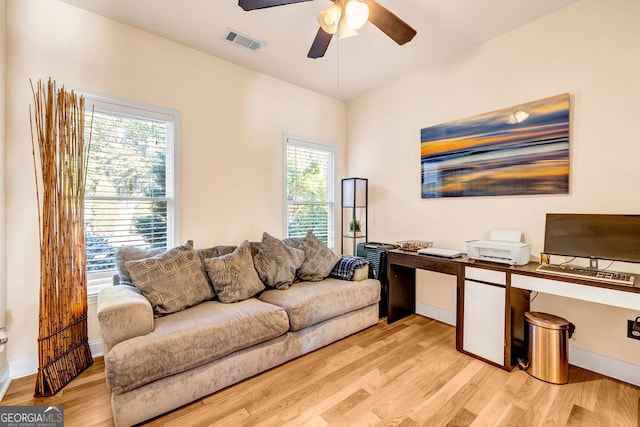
(243, 40)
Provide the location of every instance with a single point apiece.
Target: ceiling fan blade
(261, 4)
(320, 44)
(389, 23)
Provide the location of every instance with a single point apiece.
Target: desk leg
(460, 311)
(402, 292)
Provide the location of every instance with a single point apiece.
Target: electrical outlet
(633, 329)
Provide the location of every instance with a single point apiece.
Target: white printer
(503, 246)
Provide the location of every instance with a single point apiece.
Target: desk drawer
(484, 275)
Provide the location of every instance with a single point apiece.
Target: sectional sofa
(182, 324)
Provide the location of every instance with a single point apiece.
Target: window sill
(94, 286)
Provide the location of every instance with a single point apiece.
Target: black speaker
(376, 253)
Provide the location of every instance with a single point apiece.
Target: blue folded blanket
(346, 267)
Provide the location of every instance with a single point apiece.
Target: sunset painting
(521, 150)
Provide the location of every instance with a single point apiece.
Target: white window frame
(318, 145)
(111, 104)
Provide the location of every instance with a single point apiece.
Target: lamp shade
(329, 18)
(354, 192)
(357, 14)
(344, 31)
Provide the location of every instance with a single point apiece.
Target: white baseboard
(23, 367)
(96, 348)
(436, 313)
(5, 380)
(605, 365)
(26, 366)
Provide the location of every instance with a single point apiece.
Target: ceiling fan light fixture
(357, 14)
(329, 18)
(344, 30)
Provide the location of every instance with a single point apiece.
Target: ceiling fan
(345, 17)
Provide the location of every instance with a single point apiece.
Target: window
(131, 186)
(310, 178)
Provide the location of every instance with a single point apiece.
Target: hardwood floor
(405, 374)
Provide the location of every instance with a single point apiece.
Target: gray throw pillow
(276, 263)
(294, 242)
(132, 253)
(213, 252)
(319, 260)
(171, 281)
(233, 276)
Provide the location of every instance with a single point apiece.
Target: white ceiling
(351, 66)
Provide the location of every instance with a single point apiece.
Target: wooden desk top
(455, 265)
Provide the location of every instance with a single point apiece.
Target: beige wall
(233, 120)
(587, 49)
(3, 239)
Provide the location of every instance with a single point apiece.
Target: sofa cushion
(318, 259)
(233, 276)
(191, 338)
(171, 281)
(277, 263)
(132, 253)
(308, 303)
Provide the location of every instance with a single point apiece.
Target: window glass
(310, 178)
(130, 194)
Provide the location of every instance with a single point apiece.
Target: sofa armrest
(361, 273)
(123, 313)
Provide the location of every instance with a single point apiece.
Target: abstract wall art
(520, 150)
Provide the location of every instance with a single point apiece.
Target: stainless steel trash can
(548, 347)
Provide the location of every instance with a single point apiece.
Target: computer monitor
(598, 236)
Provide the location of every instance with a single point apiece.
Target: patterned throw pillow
(213, 252)
(233, 276)
(171, 281)
(294, 242)
(318, 259)
(131, 253)
(276, 263)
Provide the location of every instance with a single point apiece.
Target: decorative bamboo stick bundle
(60, 163)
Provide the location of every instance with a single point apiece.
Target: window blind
(310, 190)
(129, 196)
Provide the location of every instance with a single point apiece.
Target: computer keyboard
(605, 276)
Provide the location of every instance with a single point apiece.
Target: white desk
(614, 297)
